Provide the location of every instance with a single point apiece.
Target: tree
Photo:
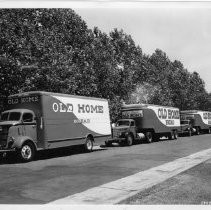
(128, 60)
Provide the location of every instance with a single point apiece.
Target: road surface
(59, 173)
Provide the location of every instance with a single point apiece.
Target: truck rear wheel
(27, 152)
(148, 136)
(156, 137)
(175, 135)
(129, 140)
(88, 144)
(171, 135)
(197, 131)
(190, 133)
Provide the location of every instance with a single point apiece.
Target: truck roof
(51, 93)
(143, 106)
(191, 111)
(18, 110)
(127, 119)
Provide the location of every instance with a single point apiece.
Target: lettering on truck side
(82, 108)
(169, 115)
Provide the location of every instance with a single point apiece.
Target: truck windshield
(11, 116)
(15, 116)
(184, 122)
(122, 123)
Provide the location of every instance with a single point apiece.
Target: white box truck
(38, 120)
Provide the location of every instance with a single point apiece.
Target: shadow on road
(12, 158)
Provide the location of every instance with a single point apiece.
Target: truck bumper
(116, 140)
(7, 150)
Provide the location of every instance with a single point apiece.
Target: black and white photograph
(105, 104)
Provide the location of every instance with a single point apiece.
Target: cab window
(122, 123)
(4, 116)
(27, 117)
(132, 123)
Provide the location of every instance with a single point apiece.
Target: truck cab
(124, 131)
(18, 132)
(186, 127)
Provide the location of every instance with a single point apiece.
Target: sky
(184, 33)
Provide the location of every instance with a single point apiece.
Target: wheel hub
(26, 152)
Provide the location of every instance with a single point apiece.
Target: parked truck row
(153, 122)
(37, 120)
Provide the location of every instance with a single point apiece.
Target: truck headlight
(123, 134)
(10, 141)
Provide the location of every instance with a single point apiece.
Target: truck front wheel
(88, 144)
(27, 152)
(129, 140)
(175, 135)
(148, 136)
(171, 135)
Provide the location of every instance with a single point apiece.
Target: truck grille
(117, 133)
(3, 136)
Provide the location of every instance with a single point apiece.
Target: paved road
(60, 173)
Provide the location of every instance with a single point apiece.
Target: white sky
(183, 33)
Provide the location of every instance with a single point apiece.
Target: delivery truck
(39, 120)
(152, 121)
(186, 127)
(200, 120)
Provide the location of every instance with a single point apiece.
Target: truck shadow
(49, 154)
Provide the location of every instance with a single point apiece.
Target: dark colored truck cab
(125, 131)
(186, 128)
(200, 120)
(18, 128)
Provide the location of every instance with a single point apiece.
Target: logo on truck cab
(22, 100)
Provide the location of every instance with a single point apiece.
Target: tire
(175, 135)
(197, 131)
(171, 135)
(108, 143)
(27, 152)
(88, 144)
(129, 140)
(156, 137)
(148, 136)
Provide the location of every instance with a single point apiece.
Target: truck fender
(20, 140)
(91, 136)
(129, 133)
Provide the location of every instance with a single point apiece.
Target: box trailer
(42, 120)
(151, 120)
(200, 120)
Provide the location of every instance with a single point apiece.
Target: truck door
(30, 126)
(133, 128)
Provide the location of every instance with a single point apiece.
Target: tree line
(54, 50)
